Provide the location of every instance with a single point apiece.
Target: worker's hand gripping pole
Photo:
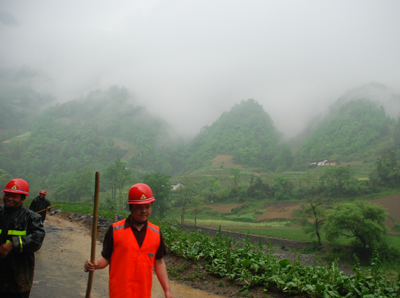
(94, 231)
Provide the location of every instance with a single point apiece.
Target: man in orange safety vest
(132, 247)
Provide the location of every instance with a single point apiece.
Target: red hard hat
(140, 193)
(17, 186)
(43, 192)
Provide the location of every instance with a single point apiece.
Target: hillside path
(59, 266)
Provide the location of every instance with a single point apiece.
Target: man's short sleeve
(108, 244)
(162, 249)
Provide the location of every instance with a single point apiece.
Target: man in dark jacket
(40, 203)
(21, 234)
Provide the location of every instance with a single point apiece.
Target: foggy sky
(188, 61)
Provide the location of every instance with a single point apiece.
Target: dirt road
(59, 266)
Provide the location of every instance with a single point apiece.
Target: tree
(315, 212)
(185, 194)
(282, 187)
(258, 189)
(76, 185)
(208, 187)
(335, 179)
(283, 160)
(236, 173)
(307, 178)
(159, 184)
(396, 134)
(4, 178)
(387, 171)
(361, 221)
(306, 187)
(196, 203)
(118, 176)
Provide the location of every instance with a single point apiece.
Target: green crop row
(251, 265)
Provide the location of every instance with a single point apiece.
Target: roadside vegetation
(253, 265)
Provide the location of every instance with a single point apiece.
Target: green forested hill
(86, 135)
(354, 130)
(246, 132)
(145, 139)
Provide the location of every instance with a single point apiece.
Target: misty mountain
(246, 132)
(18, 107)
(373, 94)
(355, 127)
(90, 132)
(376, 94)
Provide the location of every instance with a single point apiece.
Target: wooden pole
(94, 232)
(46, 208)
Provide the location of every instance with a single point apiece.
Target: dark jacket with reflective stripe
(24, 229)
(40, 204)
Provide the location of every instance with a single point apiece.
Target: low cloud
(190, 61)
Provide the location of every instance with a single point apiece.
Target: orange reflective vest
(131, 266)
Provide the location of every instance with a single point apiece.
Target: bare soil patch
(224, 161)
(392, 205)
(129, 148)
(223, 208)
(279, 210)
(352, 163)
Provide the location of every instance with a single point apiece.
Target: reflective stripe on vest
(131, 267)
(157, 231)
(117, 228)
